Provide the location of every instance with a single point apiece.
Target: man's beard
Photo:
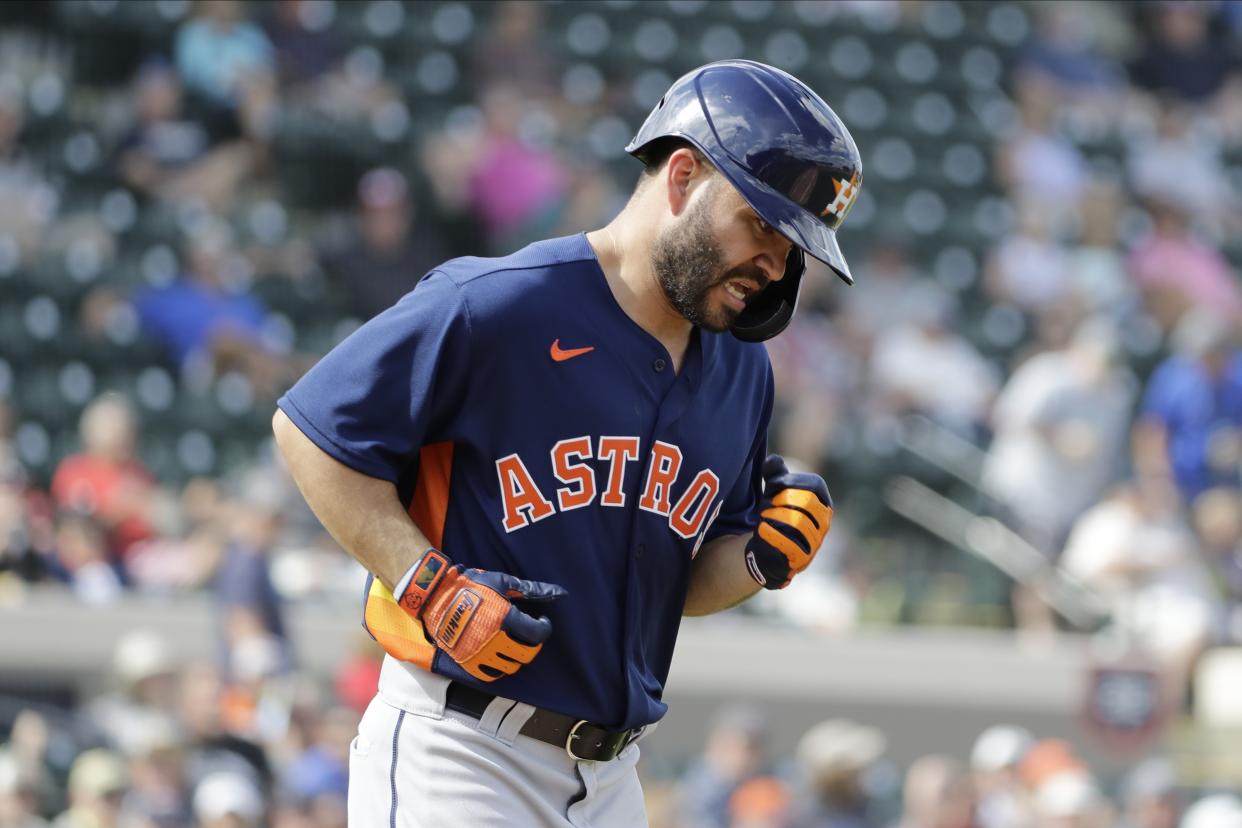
(688, 262)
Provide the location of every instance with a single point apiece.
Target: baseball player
(546, 459)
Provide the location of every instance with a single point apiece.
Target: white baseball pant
(416, 764)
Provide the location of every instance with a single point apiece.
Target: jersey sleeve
(739, 513)
(393, 385)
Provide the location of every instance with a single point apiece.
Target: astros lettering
(525, 504)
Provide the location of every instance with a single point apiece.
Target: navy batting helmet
(783, 149)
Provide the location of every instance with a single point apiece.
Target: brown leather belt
(580, 739)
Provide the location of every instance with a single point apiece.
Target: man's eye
(763, 226)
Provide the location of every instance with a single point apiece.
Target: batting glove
(469, 614)
(796, 515)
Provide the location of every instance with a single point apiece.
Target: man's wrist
(420, 581)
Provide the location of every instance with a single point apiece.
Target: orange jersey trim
(400, 635)
(429, 506)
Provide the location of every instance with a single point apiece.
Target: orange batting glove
(796, 515)
(469, 614)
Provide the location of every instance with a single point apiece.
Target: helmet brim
(791, 221)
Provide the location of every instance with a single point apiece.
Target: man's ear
(682, 173)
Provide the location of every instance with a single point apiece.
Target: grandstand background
(1029, 408)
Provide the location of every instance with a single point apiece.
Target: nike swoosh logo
(561, 354)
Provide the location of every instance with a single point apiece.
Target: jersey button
(638, 553)
(658, 365)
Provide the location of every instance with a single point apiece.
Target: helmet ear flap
(769, 313)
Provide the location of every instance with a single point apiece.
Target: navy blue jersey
(532, 427)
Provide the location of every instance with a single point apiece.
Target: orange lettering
(573, 473)
(524, 503)
(698, 497)
(617, 450)
(665, 464)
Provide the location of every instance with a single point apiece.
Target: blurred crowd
(840, 777)
(168, 742)
(1075, 371)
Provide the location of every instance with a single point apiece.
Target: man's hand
(796, 515)
(469, 614)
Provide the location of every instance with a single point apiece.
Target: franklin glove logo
(464, 607)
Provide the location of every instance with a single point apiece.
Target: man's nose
(772, 260)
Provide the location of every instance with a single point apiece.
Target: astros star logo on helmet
(847, 191)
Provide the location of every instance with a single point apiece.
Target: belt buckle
(569, 741)
(630, 736)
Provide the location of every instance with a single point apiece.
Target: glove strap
(420, 580)
(752, 566)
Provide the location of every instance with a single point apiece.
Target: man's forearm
(362, 513)
(718, 577)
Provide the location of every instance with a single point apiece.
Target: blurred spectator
(304, 42)
(10, 465)
(832, 756)
(1222, 810)
(186, 556)
(1190, 158)
(311, 69)
(28, 203)
(82, 558)
(1215, 811)
(1177, 272)
(1149, 795)
(317, 780)
(733, 755)
(1029, 268)
(390, 251)
(209, 318)
(1182, 57)
(25, 516)
(896, 292)
(205, 313)
(169, 156)
(158, 796)
(1217, 515)
(106, 481)
(514, 54)
(43, 757)
(1064, 49)
(1135, 550)
(1096, 270)
(210, 746)
(228, 61)
(19, 794)
(1036, 164)
(926, 368)
(1189, 430)
(228, 800)
(592, 199)
(1063, 791)
(143, 690)
(98, 782)
(994, 760)
(251, 612)
(1059, 428)
(446, 159)
(1072, 800)
(356, 678)
(938, 794)
(762, 802)
(820, 371)
(517, 188)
